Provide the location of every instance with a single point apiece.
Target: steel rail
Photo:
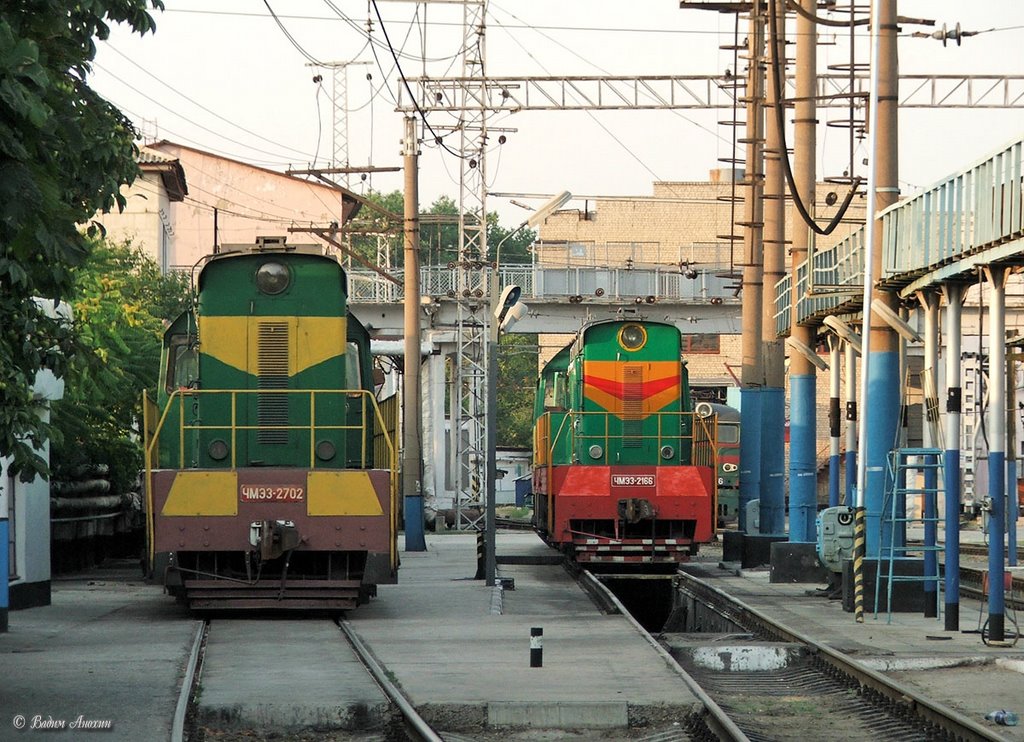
(717, 721)
(188, 684)
(902, 696)
(408, 711)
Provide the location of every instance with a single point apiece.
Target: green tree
(517, 378)
(439, 237)
(64, 154)
(121, 302)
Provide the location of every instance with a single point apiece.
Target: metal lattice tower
(469, 419)
(339, 99)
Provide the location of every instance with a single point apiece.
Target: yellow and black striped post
(480, 556)
(859, 549)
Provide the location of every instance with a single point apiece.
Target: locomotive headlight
(596, 451)
(632, 337)
(729, 467)
(218, 449)
(667, 452)
(325, 450)
(273, 278)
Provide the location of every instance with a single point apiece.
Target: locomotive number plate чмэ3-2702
(271, 493)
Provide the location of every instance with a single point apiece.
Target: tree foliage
(64, 153)
(517, 378)
(121, 302)
(439, 239)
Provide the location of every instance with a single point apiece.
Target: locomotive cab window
(554, 393)
(728, 433)
(182, 364)
(353, 377)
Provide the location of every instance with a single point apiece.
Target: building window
(693, 344)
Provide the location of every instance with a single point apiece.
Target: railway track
(820, 684)
(817, 686)
(404, 722)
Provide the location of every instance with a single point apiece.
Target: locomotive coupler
(636, 509)
(273, 537)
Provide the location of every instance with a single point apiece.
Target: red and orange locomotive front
(623, 469)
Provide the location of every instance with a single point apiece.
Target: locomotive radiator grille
(272, 373)
(632, 405)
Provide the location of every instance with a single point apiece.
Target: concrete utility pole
(411, 459)
(773, 404)
(880, 419)
(752, 375)
(802, 374)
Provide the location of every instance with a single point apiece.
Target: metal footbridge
(944, 234)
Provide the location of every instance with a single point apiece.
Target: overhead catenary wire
(191, 100)
(437, 138)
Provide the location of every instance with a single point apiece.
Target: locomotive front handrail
(151, 435)
(234, 428)
(701, 435)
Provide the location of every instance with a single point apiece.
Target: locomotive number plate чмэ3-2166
(633, 480)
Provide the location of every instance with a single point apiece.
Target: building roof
(351, 202)
(168, 168)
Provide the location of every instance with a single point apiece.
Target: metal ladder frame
(898, 461)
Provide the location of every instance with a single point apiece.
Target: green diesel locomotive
(270, 464)
(623, 469)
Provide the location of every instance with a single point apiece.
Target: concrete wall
(25, 512)
(145, 221)
(250, 202)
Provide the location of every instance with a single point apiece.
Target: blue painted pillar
(997, 452)
(930, 303)
(834, 348)
(951, 456)
(851, 424)
(803, 498)
(881, 415)
(773, 461)
(750, 450)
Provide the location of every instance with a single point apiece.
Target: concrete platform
(955, 668)
(102, 661)
(461, 650)
(111, 650)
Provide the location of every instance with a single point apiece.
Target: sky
(228, 78)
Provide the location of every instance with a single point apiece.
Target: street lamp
(506, 309)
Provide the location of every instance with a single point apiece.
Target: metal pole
(1012, 507)
(753, 369)
(490, 562)
(411, 447)
(860, 534)
(802, 374)
(833, 420)
(851, 425)
(773, 355)
(997, 452)
(951, 457)
(930, 303)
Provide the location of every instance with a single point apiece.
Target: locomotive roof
(597, 323)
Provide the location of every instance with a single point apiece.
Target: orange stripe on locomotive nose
(603, 384)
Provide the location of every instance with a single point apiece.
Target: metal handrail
(151, 436)
(702, 435)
